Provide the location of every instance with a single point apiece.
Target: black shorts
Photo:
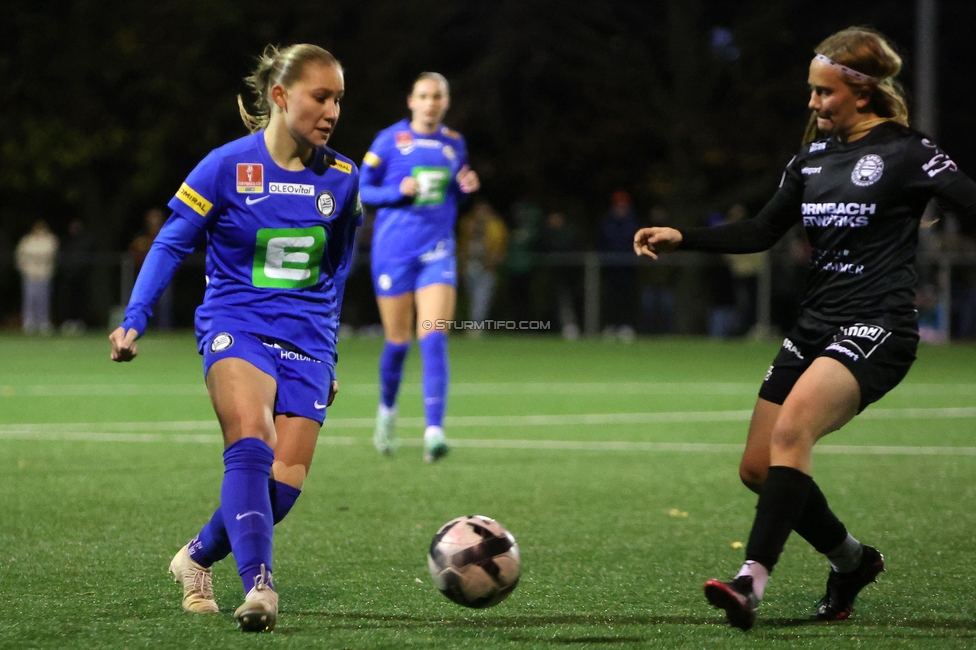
(877, 354)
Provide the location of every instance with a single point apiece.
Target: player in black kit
(859, 184)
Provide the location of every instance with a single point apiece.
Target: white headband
(860, 76)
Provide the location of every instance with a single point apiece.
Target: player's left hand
(333, 390)
(468, 180)
(651, 241)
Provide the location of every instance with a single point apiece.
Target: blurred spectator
(617, 228)
(519, 264)
(745, 271)
(138, 249)
(482, 243)
(556, 236)
(657, 301)
(74, 268)
(35, 256)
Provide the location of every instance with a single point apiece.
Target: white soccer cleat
(384, 436)
(198, 594)
(435, 445)
(259, 612)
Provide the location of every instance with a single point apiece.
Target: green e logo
(433, 184)
(288, 258)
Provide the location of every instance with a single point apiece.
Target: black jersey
(860, 203)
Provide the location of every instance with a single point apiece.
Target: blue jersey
(279, 245)
(408, 227)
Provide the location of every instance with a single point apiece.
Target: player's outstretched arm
(124, 346)
(651, 241)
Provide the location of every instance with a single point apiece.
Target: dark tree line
(690, 104)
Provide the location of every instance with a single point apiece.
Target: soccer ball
(474, 561)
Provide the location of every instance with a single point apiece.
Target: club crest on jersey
(325, 203)
(221, 342)
(250, 178)
(448, 152)
(868, 170)
(403, 139)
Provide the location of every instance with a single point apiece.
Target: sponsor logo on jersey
(789, 345)
(843, 267)
(439, 252)
(250, 178)
(448, 152)
(290, 355)
(817, 146)
(344, 167)
(196, 202)
(840, 348)
(860, 330)
(939, 163)
(294, 189)
(371, 159)
(325, 203)
(403, 139)
(451, 133)
(861, 337)
(840, 215)
(427, 143)
(868, 170)
(221, 342)
(811, 170)
(251, 200)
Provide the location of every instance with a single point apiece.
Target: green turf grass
(616, 543)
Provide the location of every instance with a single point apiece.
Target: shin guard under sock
(246, 506)
(782, 501)
(212, 545)
(433, 353)
(391, 371)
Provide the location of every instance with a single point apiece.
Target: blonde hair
(275, 67)
(435, 76)
(869, 52)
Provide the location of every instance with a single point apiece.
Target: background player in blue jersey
(279, 212)
(414, 173)
(859, 185)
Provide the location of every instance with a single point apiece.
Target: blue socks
(246, 506)
(433, 353)
(212, 545)
(391, 371)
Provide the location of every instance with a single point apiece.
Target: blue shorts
(392, 278)
(303, 382)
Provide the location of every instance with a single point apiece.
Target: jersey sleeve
(934, 172)
(760, 233)
(341, 248)
(198, 198)
(372, 190)
(461, 151)
(175, 241)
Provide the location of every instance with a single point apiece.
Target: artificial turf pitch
(615, 466)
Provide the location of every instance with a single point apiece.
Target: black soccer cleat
(842, 588)
(737, 599)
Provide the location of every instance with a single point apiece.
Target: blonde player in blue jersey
(278, 210)
(414, 174)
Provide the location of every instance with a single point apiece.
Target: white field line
(459, 389)
(490, 421)
(548, 445)
(127, 431)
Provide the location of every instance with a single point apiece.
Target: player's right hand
(651, 241)
(409, 186)
(123, 344)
